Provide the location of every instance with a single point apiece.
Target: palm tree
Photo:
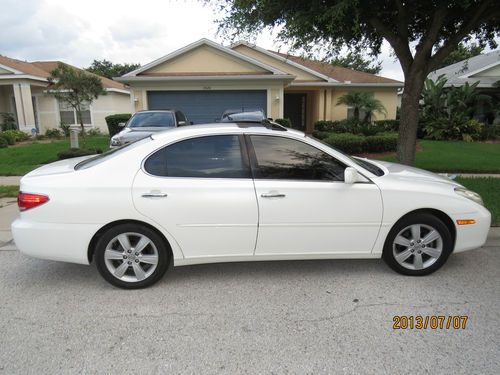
(361, 101)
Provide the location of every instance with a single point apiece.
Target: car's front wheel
(418, 245)
(131, 256)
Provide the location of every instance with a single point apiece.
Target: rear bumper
(54, 241)
(472, 236)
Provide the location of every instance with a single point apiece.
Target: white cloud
(79, 31)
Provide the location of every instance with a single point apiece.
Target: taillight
(25, 201)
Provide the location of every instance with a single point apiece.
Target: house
(23, 92)
(485, 69)
(205, 78)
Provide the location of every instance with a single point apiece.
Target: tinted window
(152, 120)
(180, 116)
(283, 158)
(209, 157)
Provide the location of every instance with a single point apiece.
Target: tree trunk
(407, 141)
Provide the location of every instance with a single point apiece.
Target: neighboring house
(23, 92)
(484, 68)
(204, 78)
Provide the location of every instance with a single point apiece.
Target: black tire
(425, 219)
(163, 256)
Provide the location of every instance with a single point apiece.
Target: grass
(8, 191)
(19, 160)
(489, 189)
(449, 156)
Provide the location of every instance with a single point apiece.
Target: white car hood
(405, 172)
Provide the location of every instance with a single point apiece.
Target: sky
(121, 31)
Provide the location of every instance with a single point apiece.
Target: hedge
(355, 127)
(284, 122)
(114, 120)
(3, 142)
(359, 144)
(77, 152)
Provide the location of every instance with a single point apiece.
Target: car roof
(158, 110)
(226, 127)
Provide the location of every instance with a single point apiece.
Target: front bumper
(472, 236)
(54, 241)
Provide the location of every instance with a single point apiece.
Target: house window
(69, 117)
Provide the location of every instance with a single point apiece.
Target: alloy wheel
(417, 246)
(131, 257)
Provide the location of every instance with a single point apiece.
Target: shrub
(9, 121)
(388, 125)
(3, 142)
(350, 126)
(53, 133)
(358, 144)
(94, 132)
(455, 127)
(9, 137)
(490, 132)
(65, 129)
(284, 122)
(19, 135)
(113, 120)
(77, 152)
(320, 134)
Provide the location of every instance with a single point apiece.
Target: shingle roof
(457, 74)
(42, 69)
(338, 73)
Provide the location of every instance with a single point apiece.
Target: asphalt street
(297, 317)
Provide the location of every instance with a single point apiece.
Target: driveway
(272, 317)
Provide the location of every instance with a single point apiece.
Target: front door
(305, 207)
(201, 192)
(295, 109)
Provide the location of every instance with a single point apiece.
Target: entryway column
(24, 107)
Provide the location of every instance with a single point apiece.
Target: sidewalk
(10, 180)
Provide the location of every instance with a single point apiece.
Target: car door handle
(154, 195)
(272, 195)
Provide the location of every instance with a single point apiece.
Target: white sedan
(240, 192)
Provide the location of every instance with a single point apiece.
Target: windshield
(152, 120)
(90, 162)
(361, 162)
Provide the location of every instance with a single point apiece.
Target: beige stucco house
(205, 78)
(23, 93)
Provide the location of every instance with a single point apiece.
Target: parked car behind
(142, 124)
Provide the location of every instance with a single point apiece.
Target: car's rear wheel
(418, 245)
(131, 256)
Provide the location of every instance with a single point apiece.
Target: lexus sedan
(144, 123)
(240, 192)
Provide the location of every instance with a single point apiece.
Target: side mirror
(121, 124)
(181, 123)
(191, 123)
(351, 175)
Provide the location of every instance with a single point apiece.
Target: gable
(204, 60)
(491, 72)
(300, 74)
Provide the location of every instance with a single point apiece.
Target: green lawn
(8, 191)
(19, 160)
(448, 156)
(489, 189)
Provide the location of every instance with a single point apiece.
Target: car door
(200, 190)
(304, 205)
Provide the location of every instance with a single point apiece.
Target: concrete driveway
(305, 317)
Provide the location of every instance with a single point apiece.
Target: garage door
(207, 106)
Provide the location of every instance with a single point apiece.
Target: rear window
(98, 159)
